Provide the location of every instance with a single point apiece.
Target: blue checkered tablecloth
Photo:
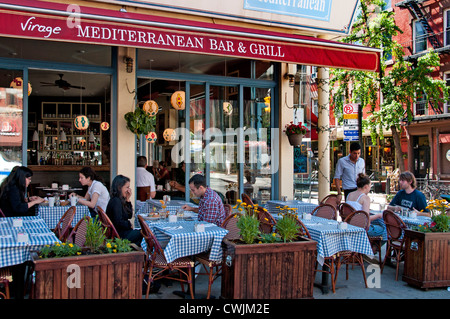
(52, 215)
(13, 252)
(331, 240)
(152, 205)
(273, 206)
(183, 241)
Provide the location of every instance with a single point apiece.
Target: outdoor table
(13, 252)
(273, 206)
(52, 215)
(155, 205)
(183, 241)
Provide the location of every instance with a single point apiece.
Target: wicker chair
(156, 265)
(1, 213)
(246, 199)
(5, 277)
(395, 240)
(325, 211)
(228, 209)
(331, 200)
(212, 268)
(358, 218)
(78, 234)
(111, 231)
(143, 193)
(303, 231)
(345, 210)
(266, 221)
(230, 224)
(63, 228)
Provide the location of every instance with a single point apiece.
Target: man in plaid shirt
(210, 209)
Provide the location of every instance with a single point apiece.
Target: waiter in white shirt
(143, 177)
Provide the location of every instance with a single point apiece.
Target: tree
(388, 96)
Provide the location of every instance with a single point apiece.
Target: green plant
(139, 122)
(439, 224)
(292, 129)
(117, 245)
(59, 250)
(270, 238)
(95, 235)
(248, 225)
(287, 227)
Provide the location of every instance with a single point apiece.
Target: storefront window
(11, 112)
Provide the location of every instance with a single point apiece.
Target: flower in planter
(287, 226)
(60, 250)
(439, 224)
(295, 129)
(438, 206)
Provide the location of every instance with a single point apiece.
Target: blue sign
(309, 9)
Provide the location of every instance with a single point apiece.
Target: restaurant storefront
(100, 61)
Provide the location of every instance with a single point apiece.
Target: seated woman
(120, 209)
(97, 194)
(14, 201)
(360, 200)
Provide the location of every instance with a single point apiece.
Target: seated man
(408, 196)
(210, 207)
(143, 177)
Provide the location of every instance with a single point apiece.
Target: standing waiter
(347, 170)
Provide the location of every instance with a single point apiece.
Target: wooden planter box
(427, 259)
(268, 271)
(105, 276)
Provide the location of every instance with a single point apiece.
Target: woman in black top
(13, 190)
(120, 210)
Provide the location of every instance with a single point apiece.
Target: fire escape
(418, 12)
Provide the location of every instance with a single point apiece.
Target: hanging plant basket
(295, 139)
(139, 122)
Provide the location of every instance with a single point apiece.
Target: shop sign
(312, 9)
(73, 29)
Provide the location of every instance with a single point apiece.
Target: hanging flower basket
(295, 139)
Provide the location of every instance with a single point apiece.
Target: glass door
(11, 119)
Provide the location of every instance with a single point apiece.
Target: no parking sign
(351, 126)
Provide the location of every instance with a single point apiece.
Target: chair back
(325, 211)
(228, 209)
(111, 231)
(394, 225)
(153, 246)
(359, 218)
(303, 231)
(1, 213)
(331, 200)
(143, 193)
(345, 210)
(78, 234)
(62, 229)
(230, 224)
(266, 221)
(246, 199)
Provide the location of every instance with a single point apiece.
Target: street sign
(351, 125)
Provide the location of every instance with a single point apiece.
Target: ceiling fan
(63, 84)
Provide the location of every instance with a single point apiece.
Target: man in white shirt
(143, 177)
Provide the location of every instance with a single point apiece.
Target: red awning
(51, 21)
(444, 138)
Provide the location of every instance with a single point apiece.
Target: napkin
(209, 225)
(5, 236)
(172, 227)
(41, 234)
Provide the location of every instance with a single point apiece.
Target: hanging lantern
(169, 134)
(178, 99)
(151, 137)
(227, 108)
(17, 83)
(104, 126)
(150, 107)
(81, 122)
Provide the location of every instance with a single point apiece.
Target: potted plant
(427, 250)
(140, 122)
(295, 133)
(102, 269)
(278, 265)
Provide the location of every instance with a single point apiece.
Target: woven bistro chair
(246, 199)
(266, 221)
(325, 211)
(358, 218)
(230, 224)
(5, 278)
(331, 200)
(111, 231)
(345, 210)
(156, 265)
(1, 213)
(228, 209)
(395, 228)
(63, 228)
(78, 234)
(303, 231)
